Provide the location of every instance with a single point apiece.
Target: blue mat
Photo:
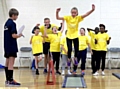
(74, 81)
(116, 75)
(1, 66)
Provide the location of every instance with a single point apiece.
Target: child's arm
(45, 32)
(43, 40)
(63, 49)
(89, 12)
(16, 35)
(108, 41)
(106, 31)
(62, 29)
(38, 25)
(96, 41)
(89, 29)
(57, 14)
(90, 48)
(31, 39)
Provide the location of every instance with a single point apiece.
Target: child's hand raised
(38, 24)
(93, 7)
(58, 9)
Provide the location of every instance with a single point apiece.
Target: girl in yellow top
(102, 39)
(83, 44)
(54, 39)
(72, 27)
(37, 47)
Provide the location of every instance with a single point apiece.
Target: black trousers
(93, 61)
(101, 56)
(56, 59)
(81, 56)
(69, 45)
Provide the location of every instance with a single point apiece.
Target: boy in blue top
(10, 46)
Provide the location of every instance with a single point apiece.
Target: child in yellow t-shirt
(82, 53)
(72, 27)
(46, 44)
(37, 47)
(54, 39)
(92, 34)
(64, 55)
(102, 39)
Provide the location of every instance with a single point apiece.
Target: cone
(51, 67)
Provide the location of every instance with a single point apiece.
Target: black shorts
(37, 54)
(46, 47)
(7, 55)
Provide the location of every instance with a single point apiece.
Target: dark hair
(36, 27)
(46, 19)
(13, 11)
(82, 28)
(96, 28)
(102, 25)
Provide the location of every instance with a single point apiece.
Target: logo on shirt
(5, 28)
(72, 25)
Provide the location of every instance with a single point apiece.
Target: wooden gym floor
(29, 80)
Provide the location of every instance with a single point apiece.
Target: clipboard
(21, 30)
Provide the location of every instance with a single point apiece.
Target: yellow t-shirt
(83, 42)
(102, 39)
(92, 40)
(49, 31)
(72, 26)
(64, 43)
(37, 44)
(54, 40)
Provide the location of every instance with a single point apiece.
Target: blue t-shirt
(10, 43)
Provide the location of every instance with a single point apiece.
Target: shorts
(46, 47)
(7, 55)
(37, 54)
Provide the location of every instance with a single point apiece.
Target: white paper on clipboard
(21, 29)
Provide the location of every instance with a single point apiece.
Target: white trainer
(63, 72)
(103, 73)
(69, 72)
(96, 74)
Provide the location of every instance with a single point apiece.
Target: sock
(68, 67)
(6, 73)
(10, 72)
(36, 69)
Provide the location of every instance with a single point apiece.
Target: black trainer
(37, 72)
(57, 72)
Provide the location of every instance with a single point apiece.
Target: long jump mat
(74, 81)
(116, 75)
